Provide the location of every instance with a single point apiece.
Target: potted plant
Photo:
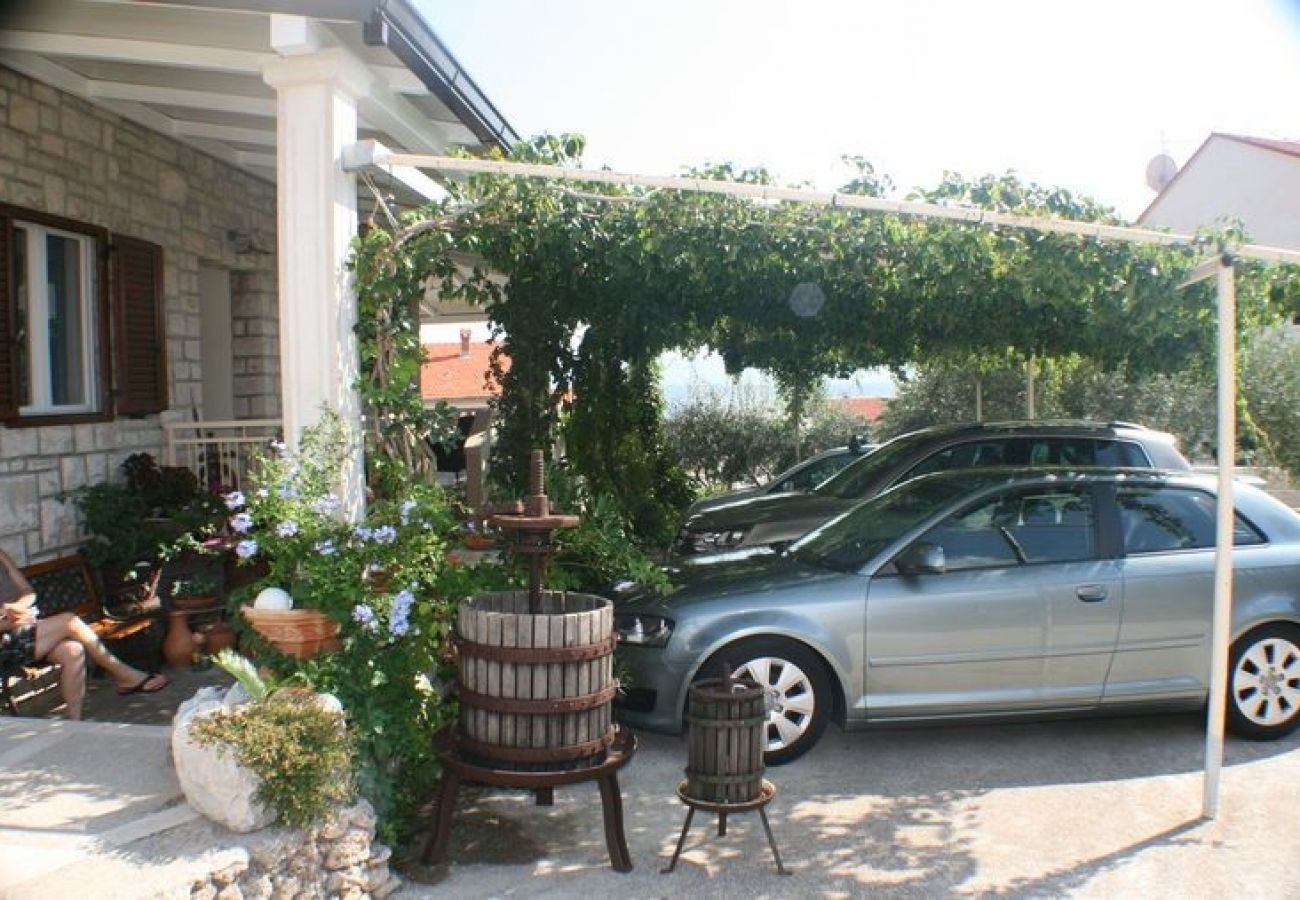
(322, 574)
(132, 524)
(295, 742)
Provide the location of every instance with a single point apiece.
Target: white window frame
(38, 335)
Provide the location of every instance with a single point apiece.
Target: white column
(317, 93)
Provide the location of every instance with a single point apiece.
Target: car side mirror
(922, 558)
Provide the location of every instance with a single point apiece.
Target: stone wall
(62, 155)
(338, 858)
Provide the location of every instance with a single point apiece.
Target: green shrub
(301, 750)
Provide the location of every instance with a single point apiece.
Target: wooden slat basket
(535, 690)
(726, 736)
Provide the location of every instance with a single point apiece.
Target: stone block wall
(62, 155)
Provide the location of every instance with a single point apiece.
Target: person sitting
(64, 639)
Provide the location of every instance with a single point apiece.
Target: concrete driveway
(1099, 808)
(1096, 808)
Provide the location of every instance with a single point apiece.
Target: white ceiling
(196, 73)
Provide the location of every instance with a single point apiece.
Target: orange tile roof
(869, 408)
(446, 375)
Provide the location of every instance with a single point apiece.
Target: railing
(219, 453)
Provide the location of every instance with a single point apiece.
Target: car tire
(799, 699)
(1264, 682)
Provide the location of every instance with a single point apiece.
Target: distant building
(869, 409)
(460, 375)
(1255, 180)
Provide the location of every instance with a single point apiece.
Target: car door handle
(1091, 593)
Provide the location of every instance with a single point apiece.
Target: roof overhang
(192, 69)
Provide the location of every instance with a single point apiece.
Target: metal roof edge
(404, 31)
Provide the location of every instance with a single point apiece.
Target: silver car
(775, 521)
(984, 593)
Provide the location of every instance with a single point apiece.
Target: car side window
(816, 473)
(1083, 451)
(962, 456)
(1159, 519)
(1024, 527)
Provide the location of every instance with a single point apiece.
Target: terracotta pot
(217, 636)
(301, 633)
(195, 603)
(178, 645)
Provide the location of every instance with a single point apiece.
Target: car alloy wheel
(797, 687)
(1264, 682)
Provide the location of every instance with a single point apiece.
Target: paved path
(1103, 808)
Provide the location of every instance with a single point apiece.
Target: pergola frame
(407, 166)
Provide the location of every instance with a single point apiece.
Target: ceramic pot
(217, 636)
(178, 645)
(300, 633)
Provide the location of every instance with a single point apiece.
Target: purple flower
(241, 522)
(234, 500)
(326, 548)
(400, 622)
(326, 504)
(363, 532)
(385, 534)
(288, 493)
(286, 529)
(246, 549)
(365, 617)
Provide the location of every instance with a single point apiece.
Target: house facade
(175, 218)
(1255, 180)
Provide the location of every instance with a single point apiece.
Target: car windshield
(845, 544)
(853, 482)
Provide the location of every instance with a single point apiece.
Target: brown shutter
(139, 358)
(8, 359)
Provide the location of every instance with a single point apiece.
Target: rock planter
(214, 784)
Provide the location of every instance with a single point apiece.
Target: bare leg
(54, 630)
(71, 658)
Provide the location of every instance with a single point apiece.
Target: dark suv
(774, 521)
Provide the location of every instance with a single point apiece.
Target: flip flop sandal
(142, 687)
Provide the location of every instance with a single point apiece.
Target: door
(1168, 569)
(1024, 616)
(215, 345)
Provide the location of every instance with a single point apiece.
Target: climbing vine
(601, 280)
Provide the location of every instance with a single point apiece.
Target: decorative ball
(273, 598)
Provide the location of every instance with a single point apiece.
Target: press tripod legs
(722, 830)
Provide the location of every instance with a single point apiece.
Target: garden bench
(68, 585)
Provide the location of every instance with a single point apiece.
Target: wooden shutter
(8, 358)
(139, 358)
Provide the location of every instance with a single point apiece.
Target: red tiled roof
(446, 375)
(869, 408)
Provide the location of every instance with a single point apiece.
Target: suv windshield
(846, 543)
(854, 481)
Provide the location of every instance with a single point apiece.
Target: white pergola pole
(1223, 539)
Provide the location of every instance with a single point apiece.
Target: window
(1085, 452)
(1160, 519)
(971, 454)
(79, 340)
(53, 294)
(1037, 525)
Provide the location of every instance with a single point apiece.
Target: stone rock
(203, 891)
(351, 877)
(376, 877)
(380, 854)
(229, 874)
(392, 884)
(332, 828)
(271, 848)
(259, 888)
(230, 892)
(353, 848)
(362, 815)
(235, 696)
(285, 887)
(215, 785)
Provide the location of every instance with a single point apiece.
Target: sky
(1076, 95)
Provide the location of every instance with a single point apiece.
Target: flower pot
(178, 646)
(217, 636)
(301, 633)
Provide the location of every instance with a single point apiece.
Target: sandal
(149, 684)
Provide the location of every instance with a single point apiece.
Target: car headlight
(641, 630)
(710, 541)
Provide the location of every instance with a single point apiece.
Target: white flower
(286, 529)
(246, 549)
(241, 522)
(234, 500)
(326, 548)
(385, 534)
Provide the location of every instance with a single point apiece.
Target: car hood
(726, 499)
(759, 510)
(766, 574)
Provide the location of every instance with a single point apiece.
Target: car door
(1168, 581)
(1025, 615)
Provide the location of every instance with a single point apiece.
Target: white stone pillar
(317, 93)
